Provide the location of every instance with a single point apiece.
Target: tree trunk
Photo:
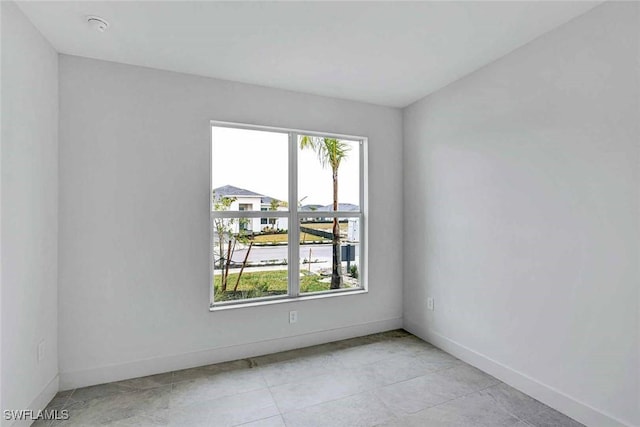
(225, 272)
(244, 263)
(336, 276)
(218, 227)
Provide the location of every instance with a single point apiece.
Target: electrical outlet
(40, 351)
(293, 316)
(430, 305)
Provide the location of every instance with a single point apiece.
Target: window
(288, 216)
(264, 221)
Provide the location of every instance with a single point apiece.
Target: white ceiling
(389, 53)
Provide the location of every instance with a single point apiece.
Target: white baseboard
(40, 401)
(546, 394)
(139, 368)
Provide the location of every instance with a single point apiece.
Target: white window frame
(293, 215)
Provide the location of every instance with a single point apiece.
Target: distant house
(347, 207)
(247, 200)
(318, 209)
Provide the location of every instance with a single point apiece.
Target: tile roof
(230, 190)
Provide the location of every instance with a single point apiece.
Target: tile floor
(387, 379)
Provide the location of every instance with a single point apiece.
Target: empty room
(322, 213)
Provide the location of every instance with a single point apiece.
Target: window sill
(235, 305)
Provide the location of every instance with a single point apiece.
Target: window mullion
(294, 229)
(249, 214)
(364, 226)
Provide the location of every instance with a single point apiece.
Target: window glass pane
(326, 262)
(250, 177)
(249, 170)
(318, 159)
(249, 263)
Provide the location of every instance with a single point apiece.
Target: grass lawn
(326, 226)
(265, 283)
(283, 238)
(304, 237)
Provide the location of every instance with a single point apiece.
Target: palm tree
(330, 152)
(274, 205)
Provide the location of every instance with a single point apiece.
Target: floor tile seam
(322, 403)
(519, 418)
(525, 419)
(394, 416)
(449, 400)
(66, 401)
(275, 402)
(417, 376)
(305, 379)
(126, 418)
(376, 361)
(361, 365)
(291, 380)
(456, 366)
(182, 406)
(298, 380)
(546, 408)
(327, 401)
(375, 387)
(284, 420)
(257, 419)
(465, 395)
(117, 393)
(186, 408)
(440, 369)
(401, 381)
(64, 405)
(301, 379)
(444, 368)
(265, 382)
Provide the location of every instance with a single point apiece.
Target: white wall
(29, 207)
(525, 178)
(134, 221)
